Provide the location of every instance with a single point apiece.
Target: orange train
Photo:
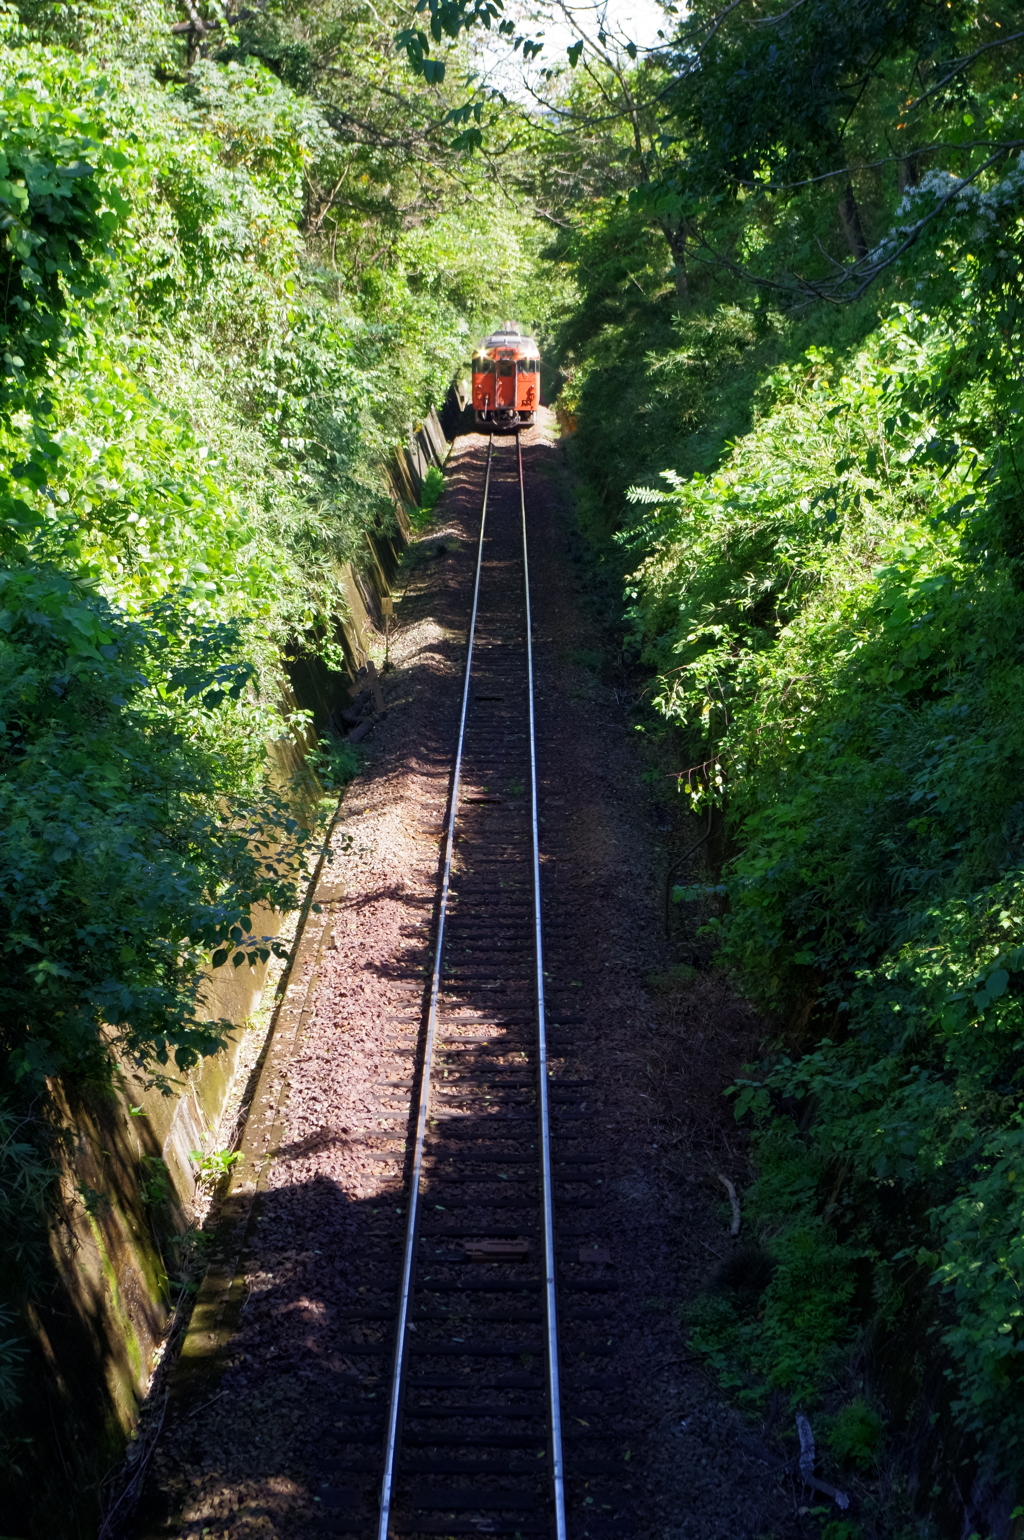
(506, 379)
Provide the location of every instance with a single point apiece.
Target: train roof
(511, 338)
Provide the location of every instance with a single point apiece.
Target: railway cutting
(445, 1298)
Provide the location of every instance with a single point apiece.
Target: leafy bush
(26, 1184)
(204, 453)
(120, 874)
(336, 763)
(12, 1356)
(433, 486)
(790, 1336)
(831, 642)
(856, 1435)
(57, 213)
(825, 596)
(213, 1166)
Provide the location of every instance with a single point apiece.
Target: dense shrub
(130, 853)
(825, 594)
(192, 445)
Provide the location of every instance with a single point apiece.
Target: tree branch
(961, 64)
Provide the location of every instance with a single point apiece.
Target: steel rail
(547, 1195)
(412, 1222)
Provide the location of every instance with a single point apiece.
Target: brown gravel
(240, 1457)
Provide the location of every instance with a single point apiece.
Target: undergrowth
(816, 511)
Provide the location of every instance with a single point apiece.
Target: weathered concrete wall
(127, 1194)
(180, 1124)
(408, 466)
(362, 585)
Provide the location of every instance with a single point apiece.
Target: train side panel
(528, 385)
(485, 376)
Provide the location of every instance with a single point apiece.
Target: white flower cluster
(969, 198)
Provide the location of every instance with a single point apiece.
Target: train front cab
(506, 389)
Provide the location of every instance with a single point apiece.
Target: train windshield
(483, 366)
(506, 367)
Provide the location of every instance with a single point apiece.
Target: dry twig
(730, 1189)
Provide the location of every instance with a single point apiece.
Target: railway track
(497, 1413)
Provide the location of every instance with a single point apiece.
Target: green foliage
(26, 1183)
(830, 635)
(155, 1186)
(841, 1529)
(204, 453)
(12, 1354)
(774, 101)
(210, 1168)
(856, 1435)
(789, 1338)
(28, 1188)
(336, 763)
(433, 486)
(121, 874)
(57, 211)
(825, 591)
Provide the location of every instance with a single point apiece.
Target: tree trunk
(852, 227)
(908, 172)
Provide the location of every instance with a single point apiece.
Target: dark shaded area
(90, 1312)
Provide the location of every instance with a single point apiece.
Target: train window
(483, 366)
(506, 368)
(527, 366)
